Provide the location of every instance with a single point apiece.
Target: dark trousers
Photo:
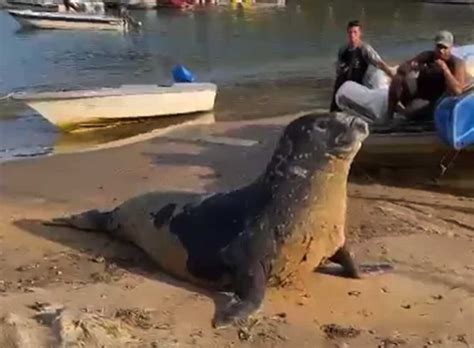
(339, 81)
(405, 90)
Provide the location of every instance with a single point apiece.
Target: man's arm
(374, 58)
(340, 67)
(413, 64)
(386, 69)
(454, 82)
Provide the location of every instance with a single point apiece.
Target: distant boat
(177, 4)
(41, 5)
(67, 109)
(66, 20)
(451, 2)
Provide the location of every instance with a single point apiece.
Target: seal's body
(288, 220)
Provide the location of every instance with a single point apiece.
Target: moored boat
(66, 20)
(176, 4)
(69, 108)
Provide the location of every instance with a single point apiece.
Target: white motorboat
(68, 21)
(70, 108)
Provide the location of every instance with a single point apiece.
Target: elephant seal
(288, 221)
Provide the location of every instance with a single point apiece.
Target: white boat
(66, 20)
(69, 108)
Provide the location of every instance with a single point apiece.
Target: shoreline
(237, 102)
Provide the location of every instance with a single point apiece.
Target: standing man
(439, 72)
(354, 58)
(68, 4)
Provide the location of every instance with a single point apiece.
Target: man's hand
(414, 65)
(341, 68)
(441, 63)
(455, 81)
(391, 72)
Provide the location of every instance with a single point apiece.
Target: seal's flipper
(344, 258)
(91, 220)
(351, 269)
(250, 284)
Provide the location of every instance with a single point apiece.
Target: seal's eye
(321, 124)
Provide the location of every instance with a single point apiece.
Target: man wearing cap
(439, 73)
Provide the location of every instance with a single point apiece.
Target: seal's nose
(360, 126)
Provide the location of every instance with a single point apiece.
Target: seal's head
(312, 140)
(338, 135)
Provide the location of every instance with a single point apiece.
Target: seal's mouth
(352, 135)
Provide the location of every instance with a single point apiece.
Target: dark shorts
(416, 106)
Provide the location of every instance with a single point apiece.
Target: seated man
(354, 58)
(439, 72)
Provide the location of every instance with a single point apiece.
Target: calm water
(226, 45)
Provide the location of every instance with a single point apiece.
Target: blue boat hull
(454, 120)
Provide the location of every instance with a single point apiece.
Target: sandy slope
(91, 290)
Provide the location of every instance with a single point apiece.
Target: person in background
(68, 4)
(439, 73)
(354, 58)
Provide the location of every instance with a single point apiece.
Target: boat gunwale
(111, 92)
(383, 142)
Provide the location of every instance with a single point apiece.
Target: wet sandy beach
(427, 235)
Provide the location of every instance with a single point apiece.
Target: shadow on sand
(123, 254)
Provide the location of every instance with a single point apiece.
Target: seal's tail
(91, 220)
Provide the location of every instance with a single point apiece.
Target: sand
(65, 288)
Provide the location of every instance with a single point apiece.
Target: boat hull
(59, 21)
(65, 109)
(417, 160)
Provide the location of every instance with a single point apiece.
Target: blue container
(181, 74)
(454, 120)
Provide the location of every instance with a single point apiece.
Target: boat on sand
(67, 109)
(451, 126)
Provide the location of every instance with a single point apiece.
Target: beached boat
(406, 142)
(69, 108)
(418, 158)
(65, 20)
(452, 126)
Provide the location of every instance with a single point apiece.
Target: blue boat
(454, 120)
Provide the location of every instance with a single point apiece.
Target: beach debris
(462, 338)
(244, 334)
(135, 317)
(16, 331)
(354, 293)
(432, 342)
(98, 259)
(391, 342)
(280, 315)
(76, 328)
(342, 345)
(333, 331)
